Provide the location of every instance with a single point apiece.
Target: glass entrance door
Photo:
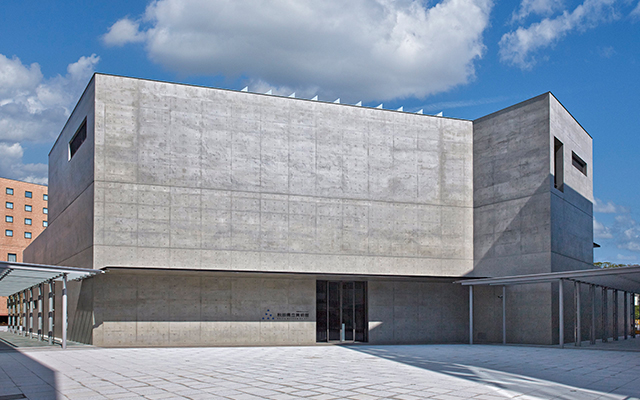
(341, 311)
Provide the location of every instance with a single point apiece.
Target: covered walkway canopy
(18, 281)
(625, 279)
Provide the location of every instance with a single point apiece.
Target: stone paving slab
(447, 372)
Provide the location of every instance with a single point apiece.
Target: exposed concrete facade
(177, 183)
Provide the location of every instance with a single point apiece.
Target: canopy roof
(622, 278)
(15, 277)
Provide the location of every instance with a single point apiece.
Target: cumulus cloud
(517, 47)
(636, 12)
(537, 7)
(608, 208)
(600, 231)
(369, 49)
(34, 109)
(122, 32)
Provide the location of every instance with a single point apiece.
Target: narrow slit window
(78, 139)
(579, 163)
(558, 165)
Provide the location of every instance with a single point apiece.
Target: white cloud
(122, 32)
(537, 7)
(600, 231)
(34, 109)
(362, 49)
(516, 47)
(11, 165)
(626, 258)
(608, 208)
(636, 12)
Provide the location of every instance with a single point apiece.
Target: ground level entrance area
(318, 372)
(341, 311)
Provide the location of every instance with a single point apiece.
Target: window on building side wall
(9, 191)
(45, 197)
(27, 235)
(12, 257)
(45, 211)
(579, 163)
(8, 218)
(27, 207)
(8, 232)
(45, 223)
(27, 221)
(78, 139)
(9, 205)
(28, 194)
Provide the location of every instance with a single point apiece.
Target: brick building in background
(24, 217)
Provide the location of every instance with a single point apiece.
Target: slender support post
(592, 295)
(10, 308)
(24, 311)
(64, 311)
(625, 300)
(470, 314)
(50, 314)
(504, 314)
(578, 324)
(31, 310)
(633, 315)
(605, 314)
(615, 315)
(40, 310)
(561, 313)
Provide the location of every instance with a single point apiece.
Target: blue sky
(466, 58)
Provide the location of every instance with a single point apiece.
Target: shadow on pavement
(539, 372)
(21, 377)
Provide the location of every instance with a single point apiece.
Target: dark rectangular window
(558, 165)
(9, 191)
(28, 194)
(8, 218)
(45, 197)
(9, 205)
(45, 223)
(8, 232)
(579, 163)
(12, 257)
(27, 221)
(45, 211)
(27, 235)
(78, 139)
(27, 207)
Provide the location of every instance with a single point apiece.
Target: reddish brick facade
(17, 222)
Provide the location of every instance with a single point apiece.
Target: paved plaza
(320, 372)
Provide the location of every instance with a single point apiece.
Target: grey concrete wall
(200, 178)
(68, 238)
(405, 311)
(512, 207)
(165, 308)
(571, 208)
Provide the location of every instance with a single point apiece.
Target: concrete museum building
(226, 217)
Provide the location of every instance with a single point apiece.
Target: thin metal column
(24, 312)
(625, 299)
(504, 314)
(615, 314)
(592, 295)
(10, 310)
(40, 310)
(578, 324)
(50, 312)
(31, 309)
(560, 313)
(605, 314)
(633, 315)
(470, 314)
(64, 311)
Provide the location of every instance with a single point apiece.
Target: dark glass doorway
(341, 312)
